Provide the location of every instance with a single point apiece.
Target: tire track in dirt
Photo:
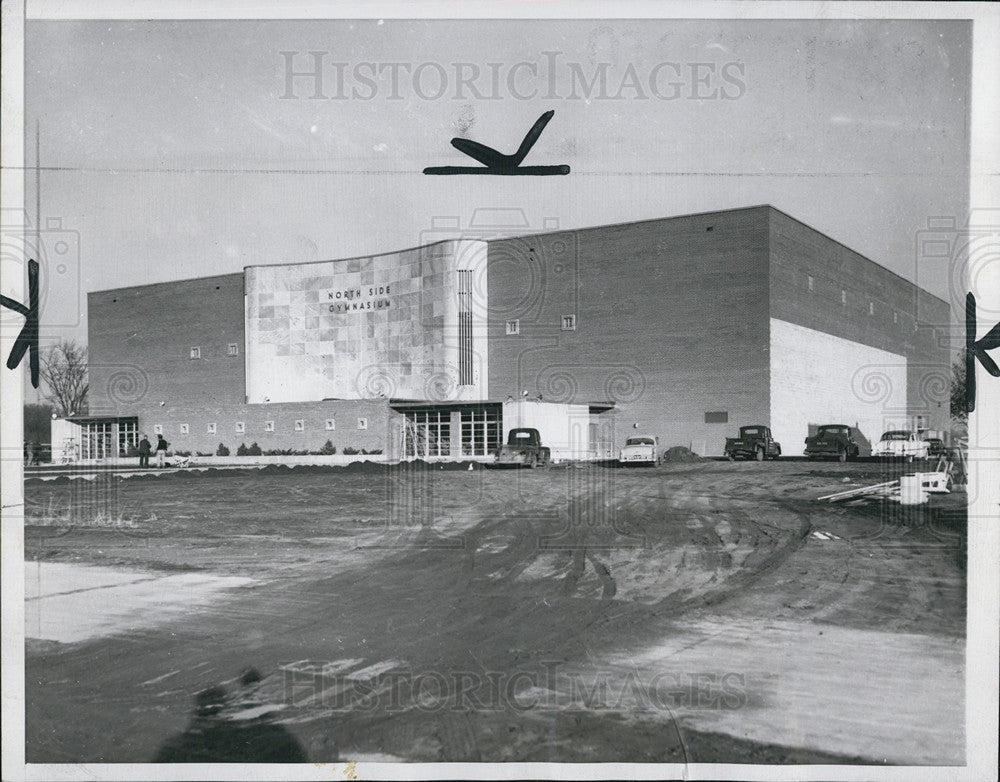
(724, 546)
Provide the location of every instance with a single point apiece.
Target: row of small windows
(811, 284)
(240, 427)
(567, 323)
(232, 349)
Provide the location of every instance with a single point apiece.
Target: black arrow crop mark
(27, 339)
(977, 349)
(497, 163)
(491, 158)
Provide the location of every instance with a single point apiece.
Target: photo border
(984, 423)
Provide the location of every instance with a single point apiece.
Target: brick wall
(140, 342)
(312, 437)
(671, 322)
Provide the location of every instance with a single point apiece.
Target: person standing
(161, 449)
(144, 450)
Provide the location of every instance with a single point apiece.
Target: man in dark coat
(161, 449)
(144, 450)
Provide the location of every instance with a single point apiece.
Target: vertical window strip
(465, 327)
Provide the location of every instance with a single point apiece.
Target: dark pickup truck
(833, 441)
(754, 442)
(523, 449)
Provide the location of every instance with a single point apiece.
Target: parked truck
(754, 442)
(523, 449)
(833, 441)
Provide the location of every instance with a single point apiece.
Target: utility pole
(38, 213)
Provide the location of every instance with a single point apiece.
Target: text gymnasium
(350, 299)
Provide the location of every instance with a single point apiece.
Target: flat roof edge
(365, 255)
(206, 278)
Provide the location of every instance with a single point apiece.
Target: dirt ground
(705, 611)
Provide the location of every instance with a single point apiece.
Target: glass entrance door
(128, 435)
(98, 440)
(427, 434)
(481, 431)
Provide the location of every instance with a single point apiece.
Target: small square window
(811, 282)
(362, 423)
(513, 327)
(157, 428)
(185, 429)
(241, 427)
(569, 323)
(234, 349)
(211, 429)
(300, 425)
(331, 424)
(717, 417)
(269, 426)
(195, 353)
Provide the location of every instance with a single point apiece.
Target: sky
(172, 150)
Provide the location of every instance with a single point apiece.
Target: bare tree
(64, 370)
(959, 411)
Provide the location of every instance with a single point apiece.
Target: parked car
(936, 446)
(523, 449)
(640, 450)
(901, 444)
(833, 441)
(754, 442)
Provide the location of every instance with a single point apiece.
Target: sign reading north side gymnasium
(374, 297)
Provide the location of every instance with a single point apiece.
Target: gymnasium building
(684, 327)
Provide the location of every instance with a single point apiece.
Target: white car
(640, 450)
(901, 444)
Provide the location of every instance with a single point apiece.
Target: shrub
(184, 453)
(328, 449)
(254, 450)
(221, 450)
(375, 451)
(199, 453)
(351, 451)
(242, 450)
